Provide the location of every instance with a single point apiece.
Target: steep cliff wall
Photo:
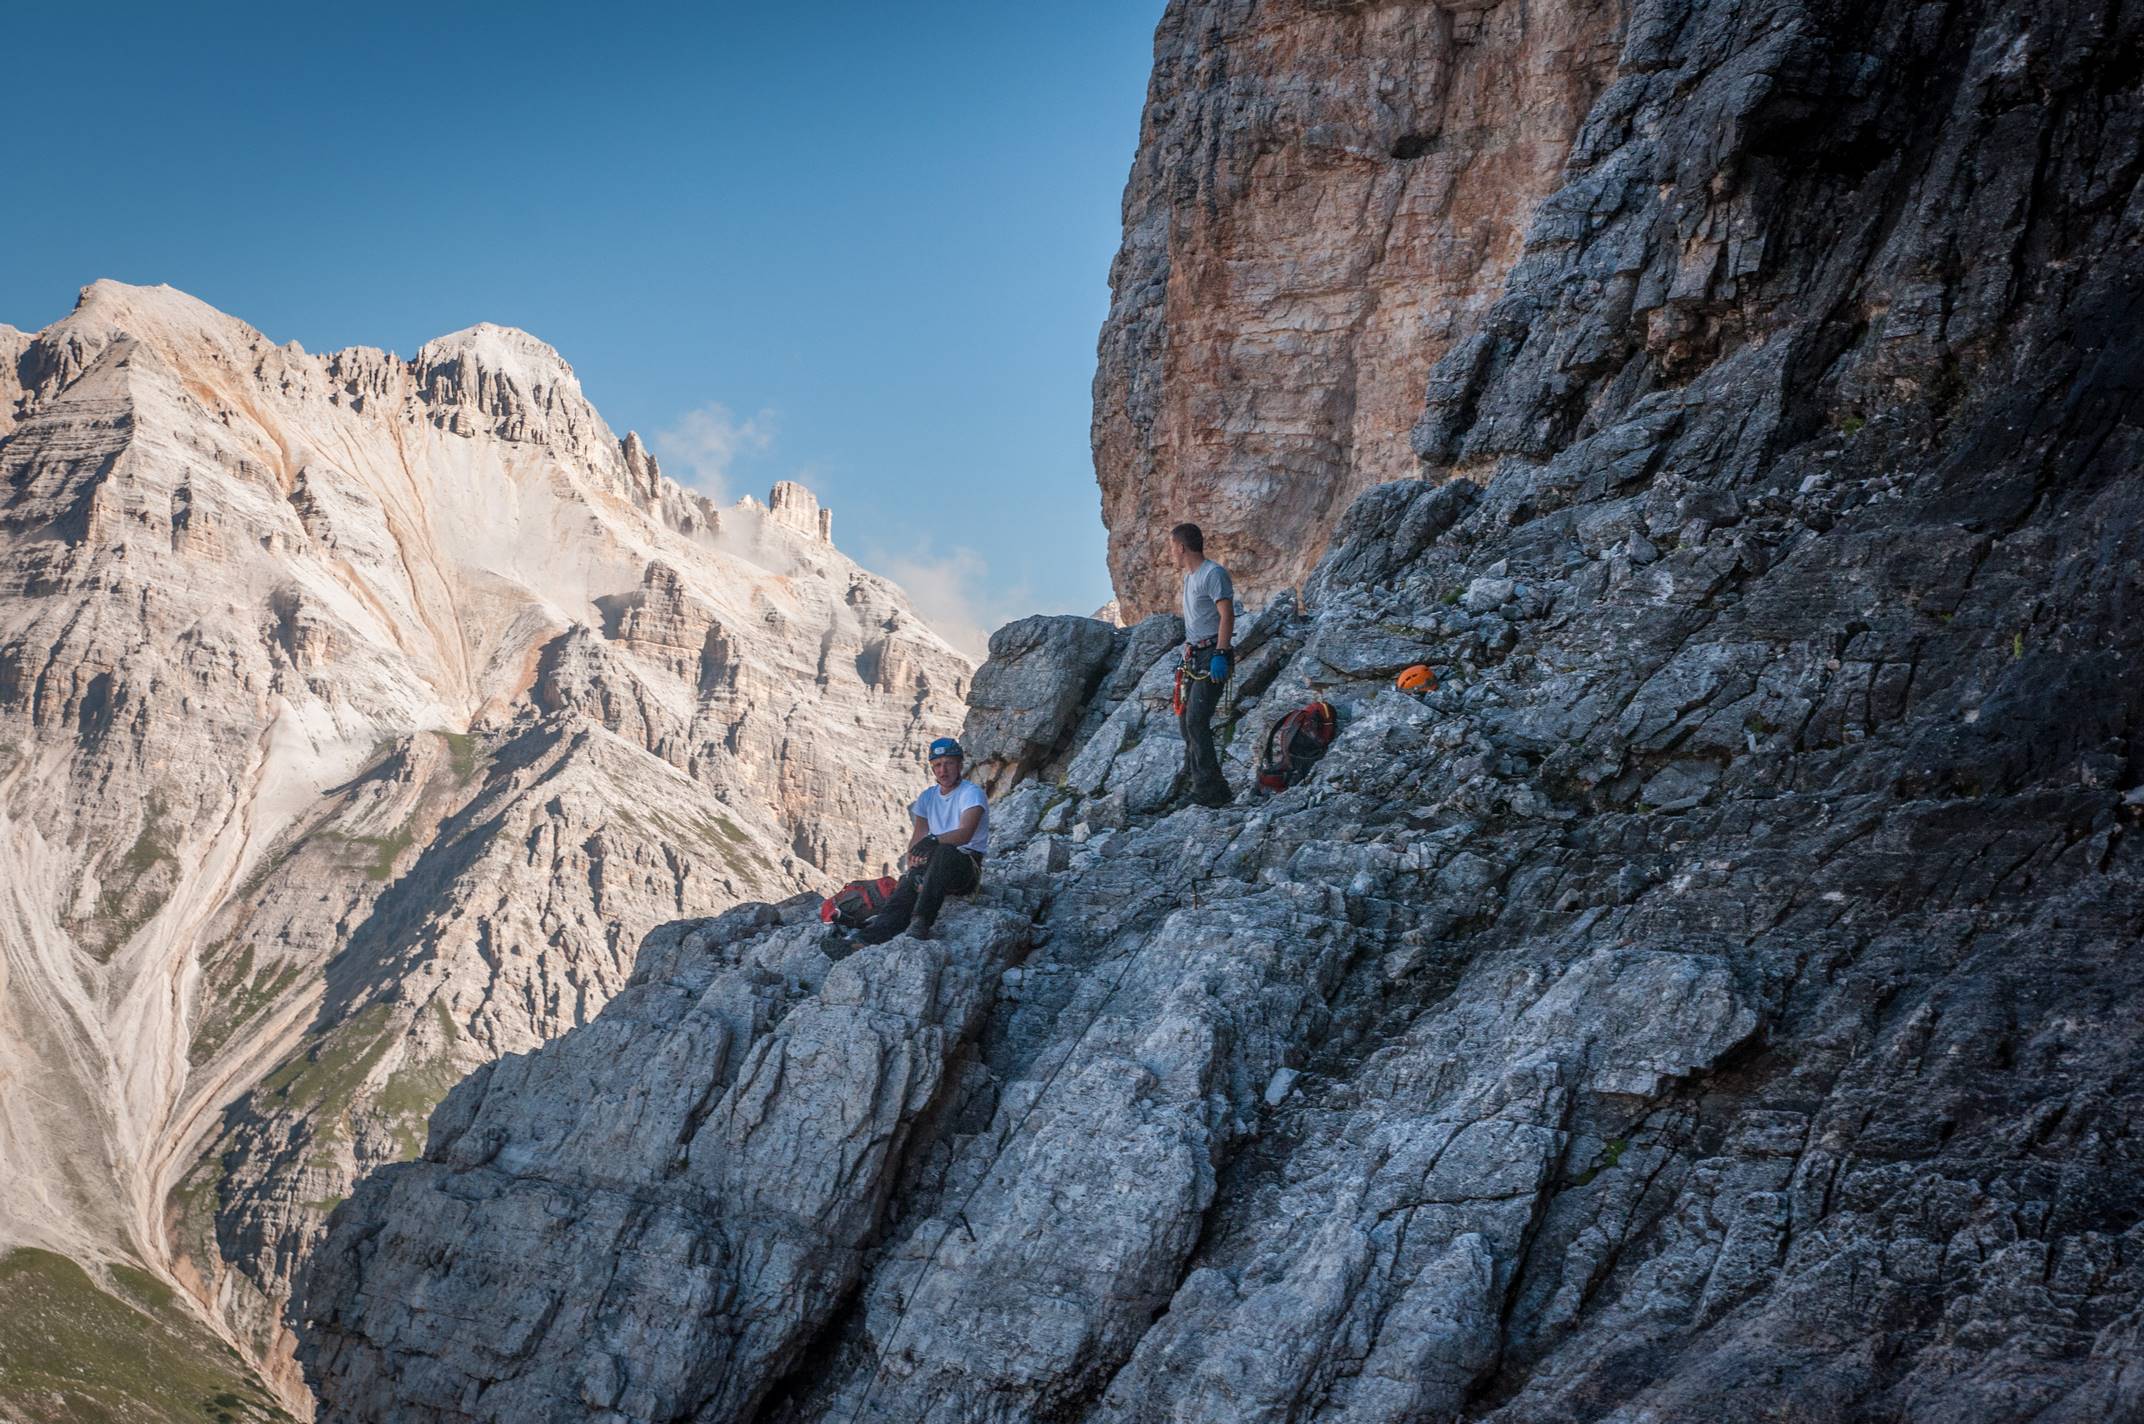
(358, 716)
(1325, 197)
(1716, 1000)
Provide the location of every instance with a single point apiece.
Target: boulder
(1027, 698)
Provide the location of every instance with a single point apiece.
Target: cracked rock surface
(1718, 999)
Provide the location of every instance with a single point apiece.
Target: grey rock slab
(763, 1102)
(1042, 670)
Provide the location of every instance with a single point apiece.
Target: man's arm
(922, 829)
(1225, 639)
(965, 831)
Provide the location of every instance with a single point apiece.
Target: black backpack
(1294, 746)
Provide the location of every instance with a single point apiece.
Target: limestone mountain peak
(357, 717)
(508, 351)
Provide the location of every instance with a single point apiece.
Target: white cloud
(956, 595)
(947, 592)
(704, 443)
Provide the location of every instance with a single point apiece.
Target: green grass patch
(150, 847)
(731, 845)
(72, 1352)
(322, 1081)
(269, 865)
(1611, 1153)
(378, 853)
(412, 1091)
(125, 903)
(191, 1206)
(386, 849)
(718, 834)
(230, 1004)
(463, 754)
(447, 1026)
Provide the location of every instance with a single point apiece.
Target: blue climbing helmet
(946, 746)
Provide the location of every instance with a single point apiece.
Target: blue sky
(863, 245)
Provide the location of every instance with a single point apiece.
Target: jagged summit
(483, 378)
(132, 308)
(529, 361)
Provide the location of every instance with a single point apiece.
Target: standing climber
(949, 835)
(1209, 648)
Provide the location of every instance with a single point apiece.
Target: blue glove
(1218, 668)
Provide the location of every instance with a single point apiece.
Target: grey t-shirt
(1203, 586)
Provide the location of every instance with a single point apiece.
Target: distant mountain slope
(358, 716)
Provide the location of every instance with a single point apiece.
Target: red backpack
(858, 901)
(1294, 746)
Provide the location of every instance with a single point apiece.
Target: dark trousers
(951, 871)
(1201, 763)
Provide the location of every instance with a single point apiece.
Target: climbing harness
(1184, 671)
(1188, 670)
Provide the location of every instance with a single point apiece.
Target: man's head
(1188, 545)
(946, 758)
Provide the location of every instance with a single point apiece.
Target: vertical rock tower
(1325, 198)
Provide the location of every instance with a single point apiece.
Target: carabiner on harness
(1185, 670)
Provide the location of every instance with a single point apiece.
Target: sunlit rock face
(358, 717)
(1325, 198)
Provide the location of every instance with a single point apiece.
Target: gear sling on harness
(1188, 669)
(1184, 670)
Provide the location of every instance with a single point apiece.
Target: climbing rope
(878, 1358)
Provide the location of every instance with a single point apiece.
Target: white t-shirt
(942, 811)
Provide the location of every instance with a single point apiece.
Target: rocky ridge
(358, 717)
(1716, 999)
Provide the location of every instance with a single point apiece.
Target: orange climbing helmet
(1416, 679)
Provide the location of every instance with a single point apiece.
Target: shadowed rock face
(1717, 999)
(659, 1215)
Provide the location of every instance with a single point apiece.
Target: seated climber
(949, 836)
